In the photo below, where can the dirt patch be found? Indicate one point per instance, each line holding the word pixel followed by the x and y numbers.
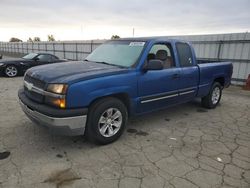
pixel 4 155
pixel 201 110
pixel 64 177
pixel 59 156
pixel 132 131
pixel 136 132
pixel 141 133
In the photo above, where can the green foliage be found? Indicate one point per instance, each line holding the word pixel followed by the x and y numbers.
pixel 37 39
pixel 14 39
pixel 115 37
pixel 51 38
pixel 30 40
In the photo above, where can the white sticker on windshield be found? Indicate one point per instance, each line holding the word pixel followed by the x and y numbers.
pixel 136 43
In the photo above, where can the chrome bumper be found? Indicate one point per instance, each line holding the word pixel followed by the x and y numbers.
pixel 62 126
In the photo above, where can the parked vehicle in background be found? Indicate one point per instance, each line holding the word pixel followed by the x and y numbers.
pixel 18 66
pixel 119 79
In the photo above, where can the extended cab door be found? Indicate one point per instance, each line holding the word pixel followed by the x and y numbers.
pixel 189 76
pixel 159 88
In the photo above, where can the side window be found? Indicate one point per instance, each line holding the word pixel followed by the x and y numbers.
pixel 54 58
pixel 44 58
pixel 162 52
pixel 184 54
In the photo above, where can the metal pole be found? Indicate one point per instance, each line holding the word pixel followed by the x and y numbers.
pixel 219 50
pixel 91 46
pixel 76 52
pixel 63 50
pixel 54 48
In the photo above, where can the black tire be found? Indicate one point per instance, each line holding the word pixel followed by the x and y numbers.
pixel 207 101
pixel 99 109
pixel 11 71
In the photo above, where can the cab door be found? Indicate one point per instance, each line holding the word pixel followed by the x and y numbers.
pixel 159 88
pixel 189 77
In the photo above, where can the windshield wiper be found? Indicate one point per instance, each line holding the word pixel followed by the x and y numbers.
pixel 103 62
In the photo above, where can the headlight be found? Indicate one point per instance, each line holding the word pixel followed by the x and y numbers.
pixel 57 100
pixel 1 64
pixel 57 88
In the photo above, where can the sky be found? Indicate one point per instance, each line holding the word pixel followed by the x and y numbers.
pixel 100 19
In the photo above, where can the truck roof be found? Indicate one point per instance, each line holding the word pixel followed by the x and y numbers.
pixel 158 38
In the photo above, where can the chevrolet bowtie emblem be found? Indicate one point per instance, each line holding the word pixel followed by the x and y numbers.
pixel 29 86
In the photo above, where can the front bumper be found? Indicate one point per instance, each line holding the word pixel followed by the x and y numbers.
pixel 58 121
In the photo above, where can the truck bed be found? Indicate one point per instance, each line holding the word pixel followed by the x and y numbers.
pixel 209 70
pixel 202 61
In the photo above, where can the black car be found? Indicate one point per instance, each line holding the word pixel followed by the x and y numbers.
pixel 18 66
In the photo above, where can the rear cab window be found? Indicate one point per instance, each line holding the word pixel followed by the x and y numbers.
pixel 185 55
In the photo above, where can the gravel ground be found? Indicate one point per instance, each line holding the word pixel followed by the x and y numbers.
pixel 183 146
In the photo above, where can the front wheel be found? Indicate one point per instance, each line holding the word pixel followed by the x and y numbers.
pixel 213 98
pixel 106 120
pixel 11 71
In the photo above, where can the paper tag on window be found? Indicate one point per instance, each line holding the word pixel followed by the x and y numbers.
pixel 136 43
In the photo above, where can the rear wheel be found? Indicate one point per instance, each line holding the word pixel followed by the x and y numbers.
pixel 106 120
pixel 213 98
pixel 11 71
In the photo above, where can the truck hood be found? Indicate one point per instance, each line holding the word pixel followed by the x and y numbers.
pixel 70 72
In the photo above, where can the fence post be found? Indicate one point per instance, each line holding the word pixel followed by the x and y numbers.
pixel 76 52
pixel 219 49
pixel 54 48
pixel 63 50
pixel 91 46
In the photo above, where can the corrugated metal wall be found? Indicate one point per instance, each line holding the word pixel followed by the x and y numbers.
pixel 233 47
pixel 73 50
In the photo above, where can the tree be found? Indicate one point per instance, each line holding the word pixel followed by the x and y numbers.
pixel 51 38
pixel 115 37
pixel 14 39
pixel 30 40
pixel 37 39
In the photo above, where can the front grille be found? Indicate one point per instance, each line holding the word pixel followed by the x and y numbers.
pixel 37 83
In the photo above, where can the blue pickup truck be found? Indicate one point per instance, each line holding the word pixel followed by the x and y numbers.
pixel 121 78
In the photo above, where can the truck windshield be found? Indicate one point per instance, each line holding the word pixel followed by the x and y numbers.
pixel 119 53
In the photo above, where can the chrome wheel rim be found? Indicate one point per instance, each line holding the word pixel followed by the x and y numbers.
pixel 11 71
pixel 215 95
pixel 110 122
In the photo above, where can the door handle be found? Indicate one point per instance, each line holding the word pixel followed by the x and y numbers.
pixel 175 76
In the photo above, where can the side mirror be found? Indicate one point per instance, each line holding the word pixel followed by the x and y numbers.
pixel 154 64
pixel 36 59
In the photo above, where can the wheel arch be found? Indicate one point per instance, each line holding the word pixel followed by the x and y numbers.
pixel 123 97
pixel 220 80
